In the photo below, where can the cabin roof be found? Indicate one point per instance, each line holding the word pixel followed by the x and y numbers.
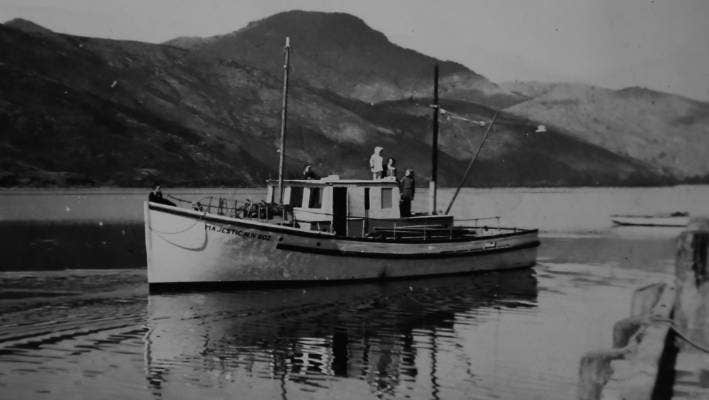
pixel 328 181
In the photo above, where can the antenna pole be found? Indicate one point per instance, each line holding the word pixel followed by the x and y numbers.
pixel 434 146
pixel 284 118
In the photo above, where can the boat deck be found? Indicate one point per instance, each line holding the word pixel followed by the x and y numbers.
pixel 421 228
pixel 429 234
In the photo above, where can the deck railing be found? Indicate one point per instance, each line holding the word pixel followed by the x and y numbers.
pixel 263 212
pixel 223 206
pixel 477 220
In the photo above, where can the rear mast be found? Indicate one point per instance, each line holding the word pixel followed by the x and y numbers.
pixel 284 118
pixel 434 146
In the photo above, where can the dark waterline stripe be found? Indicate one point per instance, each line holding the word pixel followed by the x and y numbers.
pixel 442 255
pixel 177 287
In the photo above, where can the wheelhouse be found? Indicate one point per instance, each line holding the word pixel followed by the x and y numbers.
pixel 349 207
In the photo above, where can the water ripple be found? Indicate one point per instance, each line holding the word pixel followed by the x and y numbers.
pixel 516 335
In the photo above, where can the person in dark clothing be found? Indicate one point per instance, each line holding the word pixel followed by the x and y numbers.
pixel 308 173
pixel 156 197
pixel 408 189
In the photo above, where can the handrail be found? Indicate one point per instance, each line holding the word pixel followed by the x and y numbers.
pixel 501 228
pixel 415 227
pixel 477 219
pixel 263 212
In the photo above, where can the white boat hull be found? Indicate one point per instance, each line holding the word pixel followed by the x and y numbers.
pixel 668 221
pixel 185 246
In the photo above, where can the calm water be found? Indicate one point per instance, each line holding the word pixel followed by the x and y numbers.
pixel 97 333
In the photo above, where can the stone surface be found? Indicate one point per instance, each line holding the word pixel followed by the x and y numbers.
pixel 630 372
pixel 691 314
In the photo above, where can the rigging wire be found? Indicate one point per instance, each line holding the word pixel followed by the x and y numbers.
pixel 681 334
pixel 472 161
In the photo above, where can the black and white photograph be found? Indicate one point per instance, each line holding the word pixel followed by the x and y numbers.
pixel 392 199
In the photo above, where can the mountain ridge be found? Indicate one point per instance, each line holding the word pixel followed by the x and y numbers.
pixel 127 113
pixel 27 26
pixel 669 132
pixel 341 53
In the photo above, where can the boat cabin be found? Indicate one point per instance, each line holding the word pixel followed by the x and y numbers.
pixel 348 207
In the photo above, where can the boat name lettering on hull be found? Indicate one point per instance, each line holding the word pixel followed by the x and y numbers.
pixel 237 232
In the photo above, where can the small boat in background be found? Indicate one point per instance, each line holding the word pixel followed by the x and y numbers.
pixel 675 219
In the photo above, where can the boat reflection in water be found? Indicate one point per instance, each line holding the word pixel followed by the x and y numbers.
pixel 315 339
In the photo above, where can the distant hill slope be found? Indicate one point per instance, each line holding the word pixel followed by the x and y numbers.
pixel 84 111
pixel 77 110
pixel 87 111
pixel 668 132
pixel 340 53
pixel 27 26
pixel 514 155
pixel 187 42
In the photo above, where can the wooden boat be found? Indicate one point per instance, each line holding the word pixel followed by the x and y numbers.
pixel 677 219
pixel 324 230
pixel 353 232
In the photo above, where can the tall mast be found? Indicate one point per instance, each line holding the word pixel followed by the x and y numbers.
pixel 284 118
pixel 434 146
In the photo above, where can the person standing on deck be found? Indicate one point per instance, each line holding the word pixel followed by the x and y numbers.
pixel 308 173
pixel 156 196
pixel 408 189
pixel 391 168
pixel 376 163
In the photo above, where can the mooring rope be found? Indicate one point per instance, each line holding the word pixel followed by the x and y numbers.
pixel 189 201
pixel 681 334
pixel 176 232
pixel 179 199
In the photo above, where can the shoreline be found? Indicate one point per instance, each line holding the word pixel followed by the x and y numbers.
pixel 221 189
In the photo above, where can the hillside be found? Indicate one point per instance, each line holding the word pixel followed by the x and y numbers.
pixel 85 111
pixel 514 153
pixel 668 132
pixel 27 26
pixel 81 110
pixel 340 53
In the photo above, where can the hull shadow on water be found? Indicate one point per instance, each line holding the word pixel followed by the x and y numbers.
pixel 381 333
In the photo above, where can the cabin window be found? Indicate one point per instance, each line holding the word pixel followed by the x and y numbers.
pixel 269 194
pixel 315 198
pixel 296 196
pixel 366 198
pixel 386 198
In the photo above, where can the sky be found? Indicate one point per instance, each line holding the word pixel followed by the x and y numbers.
pixel 659 44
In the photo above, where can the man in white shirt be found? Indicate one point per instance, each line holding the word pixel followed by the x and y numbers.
pixel 376 163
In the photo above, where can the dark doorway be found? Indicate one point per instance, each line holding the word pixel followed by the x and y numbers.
pixel 366 210
pixel 339 210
